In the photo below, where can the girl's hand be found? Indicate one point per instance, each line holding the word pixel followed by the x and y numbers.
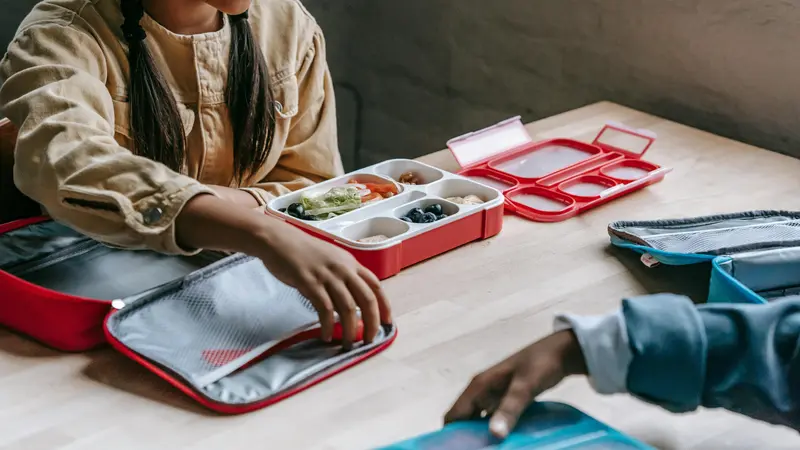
pixel 505 390
pixel 328 276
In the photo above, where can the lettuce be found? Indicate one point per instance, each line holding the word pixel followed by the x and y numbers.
pixel 335 201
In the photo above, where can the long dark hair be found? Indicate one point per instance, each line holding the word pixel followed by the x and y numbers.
pixel 156 125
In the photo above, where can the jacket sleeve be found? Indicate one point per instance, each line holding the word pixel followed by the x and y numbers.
pixel 665 350
pixel 66 156
pixel 311 153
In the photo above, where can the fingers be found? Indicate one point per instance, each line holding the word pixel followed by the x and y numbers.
pixel 346 307
pixel 384 308
pixel 325 310
pixel 519 395
pixel 365 299
pixel 481 392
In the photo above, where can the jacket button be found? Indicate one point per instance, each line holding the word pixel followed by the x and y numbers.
pixel 152 215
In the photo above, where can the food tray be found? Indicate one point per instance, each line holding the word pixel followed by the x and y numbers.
pixel 556 179
pixel 406 243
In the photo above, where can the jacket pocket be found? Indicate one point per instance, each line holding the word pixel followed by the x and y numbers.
pixel 285 97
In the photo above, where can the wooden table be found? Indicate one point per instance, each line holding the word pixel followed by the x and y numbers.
pixel 457 314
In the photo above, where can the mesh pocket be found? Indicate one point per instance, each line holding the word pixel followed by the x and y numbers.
pixel 223 313
pixel 725 240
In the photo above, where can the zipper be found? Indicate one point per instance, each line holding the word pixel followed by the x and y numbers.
pixel 54 258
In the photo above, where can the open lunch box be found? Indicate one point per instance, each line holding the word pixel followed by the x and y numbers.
pixel 219 328
pixel 754 255
pixel 395 214
pixel 556 179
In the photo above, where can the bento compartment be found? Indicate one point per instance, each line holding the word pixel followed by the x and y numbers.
pixel 714 235
pixel 499 181
pixel 587 186
pixel 427 211
pixel 464 192
pixel 56 257
pixel 375 231
pixel 545 159
pixel 541 200
pixel 628 170
pixel 339 223
pixel 231 331
pixel 409 172
pixel 336 198
pixel 772 274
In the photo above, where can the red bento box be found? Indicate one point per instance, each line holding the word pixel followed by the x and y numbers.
pixel 556 179
pixel 407 243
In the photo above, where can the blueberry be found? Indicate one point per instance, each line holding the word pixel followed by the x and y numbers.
pixel 415 214
pixel 283 210
pixel 441 217
pixel 406 219
pixel 296 210
pixel 428 218
pixel 435 209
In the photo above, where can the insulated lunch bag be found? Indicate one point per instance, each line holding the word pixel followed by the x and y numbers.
pixel 755 255
pixel 218 327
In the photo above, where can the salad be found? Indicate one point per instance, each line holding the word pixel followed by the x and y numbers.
pixel 339 200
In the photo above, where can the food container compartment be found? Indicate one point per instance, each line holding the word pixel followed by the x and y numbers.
pixel 387 227
pixel 345 220
pixel 460 187
pixel 536 162
pixel 587 187
pixel 628 170
pixel 491 178
pixel 397 168
pixel 541 201
pixel 283 202
pixel 448 208
pixel 578 169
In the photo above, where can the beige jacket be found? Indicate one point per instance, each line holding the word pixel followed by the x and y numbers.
pixel 65 87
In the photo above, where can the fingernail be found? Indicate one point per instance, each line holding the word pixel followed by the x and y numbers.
pixel 499 427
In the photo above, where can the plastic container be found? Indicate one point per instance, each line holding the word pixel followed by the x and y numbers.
pixel 556 179
pixel 407 243
pixel 550 426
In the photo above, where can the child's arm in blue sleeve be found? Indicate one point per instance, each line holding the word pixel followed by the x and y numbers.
pixel 665 350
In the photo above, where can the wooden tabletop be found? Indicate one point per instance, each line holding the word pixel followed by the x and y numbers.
pixel 457 314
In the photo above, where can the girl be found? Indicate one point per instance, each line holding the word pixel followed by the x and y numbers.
pixel 662 349
pixel 167 124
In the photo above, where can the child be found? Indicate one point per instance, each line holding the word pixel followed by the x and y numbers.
pixel 662 349
pixel 163 124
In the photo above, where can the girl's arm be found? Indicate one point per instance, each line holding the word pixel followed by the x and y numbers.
pixel 66 157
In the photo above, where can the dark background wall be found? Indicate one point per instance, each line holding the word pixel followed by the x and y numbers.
pixel 433 69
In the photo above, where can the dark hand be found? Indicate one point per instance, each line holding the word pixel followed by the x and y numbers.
pixel 505 390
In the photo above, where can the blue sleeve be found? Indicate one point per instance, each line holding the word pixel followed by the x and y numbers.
pixel 740 357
